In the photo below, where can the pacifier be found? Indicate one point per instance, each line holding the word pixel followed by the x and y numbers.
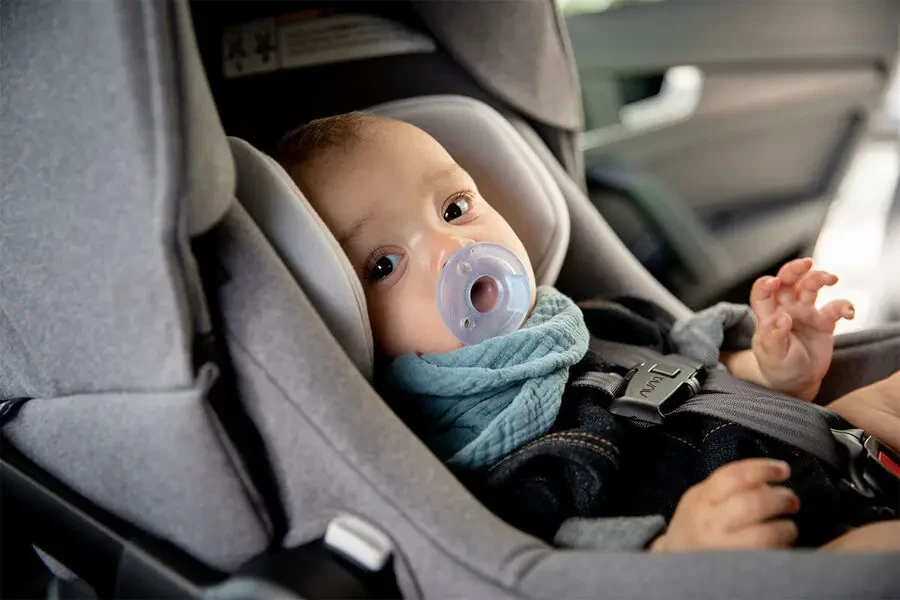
pixel 483 292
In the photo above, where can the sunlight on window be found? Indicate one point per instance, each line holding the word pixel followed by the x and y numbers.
pixel 851 243
pixel 580 7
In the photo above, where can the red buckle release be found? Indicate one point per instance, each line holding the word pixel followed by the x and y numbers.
pixel 888 463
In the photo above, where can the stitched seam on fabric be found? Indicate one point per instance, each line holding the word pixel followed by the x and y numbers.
pixel 591 436
pixel 717 428
pixel 583 444
pixel 549 439
pixel 683 441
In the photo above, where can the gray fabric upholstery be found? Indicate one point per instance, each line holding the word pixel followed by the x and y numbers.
pixel 90 285
pixel 109 138
pixel 153 458
pixel 597 261
pixel 518 50
pixel 860 358
pixel 311 253
pixel 714 576
pixel 508 174
pixel 613 534
pixel 209 172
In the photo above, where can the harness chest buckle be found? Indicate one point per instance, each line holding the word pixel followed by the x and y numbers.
pixel 655 388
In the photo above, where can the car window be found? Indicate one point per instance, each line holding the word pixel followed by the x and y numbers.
pixel 580 7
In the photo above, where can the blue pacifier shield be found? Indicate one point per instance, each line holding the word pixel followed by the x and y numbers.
pixel 483 292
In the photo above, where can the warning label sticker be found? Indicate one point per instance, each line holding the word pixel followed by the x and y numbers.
pixel 291 42
pixel 250 48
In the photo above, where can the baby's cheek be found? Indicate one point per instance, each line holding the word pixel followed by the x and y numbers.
pixel 411 326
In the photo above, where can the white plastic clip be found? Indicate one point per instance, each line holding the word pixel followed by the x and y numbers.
pixel 359 541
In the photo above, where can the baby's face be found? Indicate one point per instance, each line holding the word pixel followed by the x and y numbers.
pixel 400 207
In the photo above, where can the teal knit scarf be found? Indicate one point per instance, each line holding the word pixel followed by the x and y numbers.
pixel 474 405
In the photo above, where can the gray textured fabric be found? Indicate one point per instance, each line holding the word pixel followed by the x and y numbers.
pixel 610 535
pixel 307 248
pixel 861 358
pixel 724 326
pixel 109 137
pixel 508 173
pixel 597 262
pixel 209 171
pixel 793 575
pixel 152 458
pixel 90 292
pixel 518 50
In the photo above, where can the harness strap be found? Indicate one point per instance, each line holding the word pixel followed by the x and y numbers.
pixel 798 424
pixel 663 386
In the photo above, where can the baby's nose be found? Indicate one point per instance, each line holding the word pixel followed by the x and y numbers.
pixel 449 247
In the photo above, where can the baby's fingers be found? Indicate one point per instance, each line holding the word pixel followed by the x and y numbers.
pixel 793 271
pixel 833 312
pixel 757 505
pixel 774 534
pixel 742 475
pixel 808 287
pixel 762 297
pixel 773 336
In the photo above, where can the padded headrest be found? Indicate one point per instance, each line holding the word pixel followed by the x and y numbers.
pixel 308 249
pixel 507 171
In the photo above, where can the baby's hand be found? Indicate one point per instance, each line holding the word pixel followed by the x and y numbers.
pixel 732 508
pixel 794 340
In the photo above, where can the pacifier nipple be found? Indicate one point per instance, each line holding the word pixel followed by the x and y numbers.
pixel 483 292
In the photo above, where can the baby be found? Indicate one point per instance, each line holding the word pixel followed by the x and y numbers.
pixel 400 206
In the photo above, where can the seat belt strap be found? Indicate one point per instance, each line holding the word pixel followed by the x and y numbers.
pixel 657 389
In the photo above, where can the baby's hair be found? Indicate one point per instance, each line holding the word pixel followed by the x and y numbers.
pixel 314 139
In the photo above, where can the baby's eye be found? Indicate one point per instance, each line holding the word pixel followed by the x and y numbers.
pixel 457 208
pixel 383 267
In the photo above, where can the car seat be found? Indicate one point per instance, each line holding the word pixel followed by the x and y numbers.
pixel 153 461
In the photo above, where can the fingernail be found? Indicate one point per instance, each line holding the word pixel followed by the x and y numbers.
pixel 792 498
pixel 850 312
pixel 784 468
pixel 782 322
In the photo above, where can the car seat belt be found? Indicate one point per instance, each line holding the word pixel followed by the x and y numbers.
pixel 210 347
